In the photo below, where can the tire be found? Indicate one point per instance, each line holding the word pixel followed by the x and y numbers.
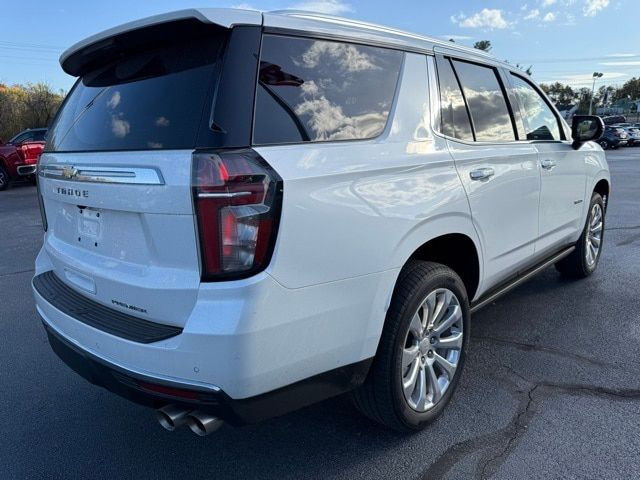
pixel 382 397
pixel 604 144
pixel 4 179
pixel 582 262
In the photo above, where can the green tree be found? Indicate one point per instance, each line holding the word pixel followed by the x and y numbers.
pixel 559 92
pixel 630 89
pixel 26 106
pixel 484 45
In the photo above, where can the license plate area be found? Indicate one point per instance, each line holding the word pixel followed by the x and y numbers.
pixel 90 225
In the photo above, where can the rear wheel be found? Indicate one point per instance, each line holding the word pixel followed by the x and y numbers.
pixel 421 351
pixel 4 179
pixel 583 261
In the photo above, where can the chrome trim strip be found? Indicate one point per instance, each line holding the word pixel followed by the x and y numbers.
pixel 151 378
pixel 223 195
pixel 99 174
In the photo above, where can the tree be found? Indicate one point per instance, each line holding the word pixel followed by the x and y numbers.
pixel 26 106
pixel 630 90
pixel 484 45
pixel 559 92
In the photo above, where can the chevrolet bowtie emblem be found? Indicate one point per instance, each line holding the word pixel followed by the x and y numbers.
pixel 69 172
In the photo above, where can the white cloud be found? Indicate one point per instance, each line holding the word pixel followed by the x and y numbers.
pixel 627 63
pixel 592 7
pixel 119 127
pixel 456 37
pixel 114 101
pixel 586 79
pixel 348 57
pixel 486 18
pixel 549 17
pixel 332 7
pixel 244 6
pixel 621 55
pixel 548 3
pixel 535 13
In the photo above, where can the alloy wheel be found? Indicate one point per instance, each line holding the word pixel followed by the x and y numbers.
pixel 594 235
pixel 3 178
pixel 432 349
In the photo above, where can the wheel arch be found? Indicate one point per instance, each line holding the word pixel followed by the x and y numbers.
pixel 457 251
pixel 603 187
pixel 450 239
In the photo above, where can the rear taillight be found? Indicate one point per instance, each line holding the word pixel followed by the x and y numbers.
pixel 43 212
pixel 237 197
pixel 31 152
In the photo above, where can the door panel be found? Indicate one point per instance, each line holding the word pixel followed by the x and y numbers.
pixel 562 195
pixel 504 205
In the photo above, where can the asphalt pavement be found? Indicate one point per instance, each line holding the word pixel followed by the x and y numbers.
pixel 551 388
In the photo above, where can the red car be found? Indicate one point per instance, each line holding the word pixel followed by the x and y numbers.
pixel 19 156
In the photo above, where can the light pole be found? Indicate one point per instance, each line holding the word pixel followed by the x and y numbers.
pixel 596 75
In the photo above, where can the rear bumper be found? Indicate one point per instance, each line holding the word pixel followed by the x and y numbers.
pixel 157 392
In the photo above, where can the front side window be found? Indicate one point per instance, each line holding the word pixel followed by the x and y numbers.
pixel 316 90
pixel 540 121
pixel 487 104
pixel 453 111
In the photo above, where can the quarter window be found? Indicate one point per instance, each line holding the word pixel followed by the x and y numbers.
pixel 316 90
pixel 453 111
pixel 487 104
pixel 540 121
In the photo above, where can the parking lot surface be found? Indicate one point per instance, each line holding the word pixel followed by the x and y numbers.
pixel 551 388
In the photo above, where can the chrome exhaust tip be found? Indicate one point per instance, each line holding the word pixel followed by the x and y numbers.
pixel 172 417
pixel 202 423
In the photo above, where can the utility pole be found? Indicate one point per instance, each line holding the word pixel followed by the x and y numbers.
pixel 596 75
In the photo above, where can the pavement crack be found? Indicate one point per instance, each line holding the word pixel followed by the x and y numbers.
pixel 635 227
pixel 502 442
pixel 517 426
pixel 16 273
pixel 531 347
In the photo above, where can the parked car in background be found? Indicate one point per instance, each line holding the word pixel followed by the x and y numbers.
pixel 614 119
pixel 633 134
pixel 613 137
pixel 19 156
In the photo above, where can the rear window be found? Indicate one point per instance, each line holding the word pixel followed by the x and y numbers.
pixel 317 90
pixel 152 99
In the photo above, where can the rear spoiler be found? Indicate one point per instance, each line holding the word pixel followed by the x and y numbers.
pixel 79 58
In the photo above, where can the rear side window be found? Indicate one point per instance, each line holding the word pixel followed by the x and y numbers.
pixel 150 99
pixel 316 90
pixel 540 121
pixel 487 104
pixel 453 111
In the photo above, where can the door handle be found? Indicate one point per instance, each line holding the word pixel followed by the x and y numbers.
pixel 482 173
pixel 547 164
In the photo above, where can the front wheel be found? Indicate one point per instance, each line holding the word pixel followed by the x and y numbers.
pixel 4 179
pixel 583 261
pixel 421 351
pixel 604 144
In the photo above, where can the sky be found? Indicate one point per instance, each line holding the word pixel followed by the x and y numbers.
pixel 563 40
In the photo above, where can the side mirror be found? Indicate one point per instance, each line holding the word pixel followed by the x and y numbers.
pixel 586 128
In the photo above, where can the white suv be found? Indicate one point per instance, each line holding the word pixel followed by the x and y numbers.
pixel 249 212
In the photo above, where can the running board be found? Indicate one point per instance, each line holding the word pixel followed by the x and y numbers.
pixel 519 279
